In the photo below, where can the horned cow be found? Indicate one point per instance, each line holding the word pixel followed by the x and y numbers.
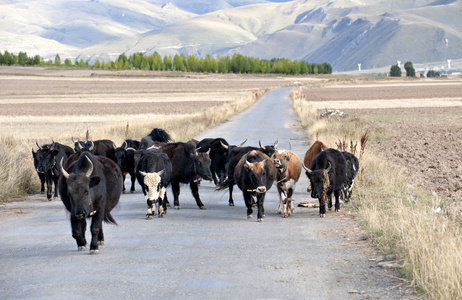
pixel 289 167
pixel 154 171
pixel 254 175
pixel 90 186
pixel 327 175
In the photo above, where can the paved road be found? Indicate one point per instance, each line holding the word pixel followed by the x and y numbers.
pixel 190 253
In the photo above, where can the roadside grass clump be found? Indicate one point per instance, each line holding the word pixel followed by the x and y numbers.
pixel 400 219
pixel 17 174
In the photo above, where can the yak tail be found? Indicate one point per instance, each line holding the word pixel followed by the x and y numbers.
pixel 225 185
pixel 160 135
pixel 109 219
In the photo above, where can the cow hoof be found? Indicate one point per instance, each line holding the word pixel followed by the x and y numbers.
pixel 132 192
pixel 167 205
pixel 123 192
pixel 49 199
pixel 95 251
pixel 81 248
pixel 176 207
pixel 249 216
pixel 231 203
pixel 259 219
pixel 337 210
pixel 202 207
pixel 148 217
pixel 322 215
pixel 285 216
pixel 101 243
pixel 161 215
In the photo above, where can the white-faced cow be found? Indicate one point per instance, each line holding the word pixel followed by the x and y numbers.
pixel 327 175
pixel 352 168
pixel 48 165
pixel 219 155
pixel 125 159
pixel 289 168
pixel 154 172
pixel 90 187
pixel 254 175
pixel 235 156
pixel 188 166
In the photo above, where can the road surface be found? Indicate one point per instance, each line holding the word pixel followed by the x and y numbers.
pixel 215 253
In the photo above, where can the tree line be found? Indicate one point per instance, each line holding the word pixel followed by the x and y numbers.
pixel 238 63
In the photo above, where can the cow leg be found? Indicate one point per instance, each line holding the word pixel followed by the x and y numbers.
pixel 214 174
pixel 55 181
pixel 95 228
pixel 195 190
pixel 78 232
pixel 101 236
pixel 123 185
pixel 290 192
pixel 329 202
pixel 176 194
pixel 261 210
pixel 231 201
pixel 42 182
pixel 322 209
pixel 133 179
pixel 337 200
pixel 165 202
pixel 49 188
pixel 248 202
pixel 149 213
pixel 162 206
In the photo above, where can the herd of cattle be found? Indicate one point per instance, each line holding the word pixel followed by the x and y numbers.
pixel 90 178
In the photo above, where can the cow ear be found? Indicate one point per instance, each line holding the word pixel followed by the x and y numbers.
pixel 94 181
pixel 54 152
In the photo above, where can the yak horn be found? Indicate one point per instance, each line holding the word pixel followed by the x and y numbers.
pixel 224 146
pixel 306 169
pixel 241 144
pixel 65 174
pixel 329 167
pixel 92 146
pixel 40 148
pixel 90 170
pixel 208 152
pixel 276 145
pixel 261 146
pixel 125 143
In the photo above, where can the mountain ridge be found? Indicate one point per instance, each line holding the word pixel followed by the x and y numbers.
pixel 343 33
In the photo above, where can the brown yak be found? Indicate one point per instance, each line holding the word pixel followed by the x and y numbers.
pixel 289 168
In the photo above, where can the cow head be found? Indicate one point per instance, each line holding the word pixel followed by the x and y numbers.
pixel 152 184
pixel 202 164
pixel 122 156
pixel 280 159
pixel 79 186
pixel 256 176
pixel 319 180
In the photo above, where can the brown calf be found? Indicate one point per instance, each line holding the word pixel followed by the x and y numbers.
pixel 289 168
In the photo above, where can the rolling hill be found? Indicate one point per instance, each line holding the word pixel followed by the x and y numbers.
pixel 342 33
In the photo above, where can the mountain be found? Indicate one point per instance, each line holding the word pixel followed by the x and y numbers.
pixel 344 33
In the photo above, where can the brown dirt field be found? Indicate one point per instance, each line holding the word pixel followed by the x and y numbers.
pixel 428 139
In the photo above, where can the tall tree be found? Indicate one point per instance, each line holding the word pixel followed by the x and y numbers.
pixel 410 71
pixel 57 60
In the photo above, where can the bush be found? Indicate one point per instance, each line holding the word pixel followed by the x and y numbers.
pixel 432 73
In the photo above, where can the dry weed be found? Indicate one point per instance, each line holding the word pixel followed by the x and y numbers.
pixel 400 219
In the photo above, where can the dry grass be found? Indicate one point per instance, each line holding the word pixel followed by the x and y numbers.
pixel 400 219
pixel 17 174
